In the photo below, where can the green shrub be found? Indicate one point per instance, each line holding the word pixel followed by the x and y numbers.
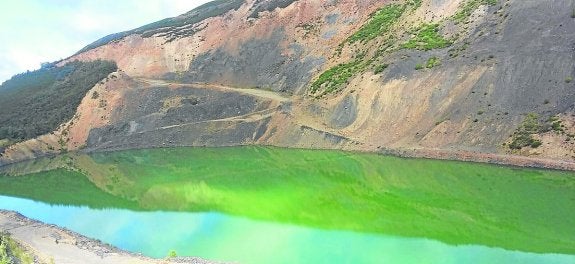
pixel 432 62
pixel 419 66
pixel 427 37
pixel 556 126
pixel 569 79
pixel 380 68
pixel 536 143
pixel 531 123
pixel 523 136
pixel 172 254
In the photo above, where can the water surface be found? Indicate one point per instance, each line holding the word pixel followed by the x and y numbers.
pixel 262 205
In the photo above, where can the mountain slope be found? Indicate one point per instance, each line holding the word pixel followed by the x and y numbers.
pixel 475 77
pixel 36 103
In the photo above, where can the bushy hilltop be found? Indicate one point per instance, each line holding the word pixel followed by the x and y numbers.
pixel 37 102
pixel 477 77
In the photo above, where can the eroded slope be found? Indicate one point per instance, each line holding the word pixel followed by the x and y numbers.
pixel 430 76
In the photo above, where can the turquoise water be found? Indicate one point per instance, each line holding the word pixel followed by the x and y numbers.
pixel 230 238
pixel 273 205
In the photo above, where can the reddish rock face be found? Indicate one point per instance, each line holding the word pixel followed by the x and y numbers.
pixel 249 72
pixel 301 24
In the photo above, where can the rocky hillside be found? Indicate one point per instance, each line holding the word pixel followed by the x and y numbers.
pixel 442 78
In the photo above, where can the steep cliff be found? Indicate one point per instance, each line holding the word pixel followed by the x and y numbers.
pixel 470 77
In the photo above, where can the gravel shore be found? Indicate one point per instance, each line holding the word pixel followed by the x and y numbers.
pixel 52 244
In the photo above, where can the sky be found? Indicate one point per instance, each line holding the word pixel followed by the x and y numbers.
pixel 36 31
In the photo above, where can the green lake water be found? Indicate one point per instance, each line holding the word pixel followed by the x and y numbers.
pixel 272 205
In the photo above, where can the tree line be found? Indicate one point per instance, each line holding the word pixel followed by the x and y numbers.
pixel 37 102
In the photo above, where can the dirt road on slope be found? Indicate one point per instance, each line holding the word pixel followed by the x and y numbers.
pixel 255 92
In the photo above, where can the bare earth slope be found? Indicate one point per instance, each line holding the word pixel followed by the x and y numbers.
pixel 316 74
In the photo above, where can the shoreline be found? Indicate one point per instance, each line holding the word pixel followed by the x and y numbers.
pixel 52 244
pixel 417 153
pixel 422 153
pixel 482 158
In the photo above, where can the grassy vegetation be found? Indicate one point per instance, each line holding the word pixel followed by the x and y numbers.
pixel 468 7
pixel 35 103
pixel 4 257
pixel 419 66
pixel 332 79
pixel 12 252
pixel 454 202
pixel 427 37
pixel 379 23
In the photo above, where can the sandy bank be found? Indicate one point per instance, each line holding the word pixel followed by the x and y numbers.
pixel 52 244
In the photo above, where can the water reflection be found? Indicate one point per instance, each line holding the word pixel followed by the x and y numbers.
pixel 453 202
pixel 229 238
